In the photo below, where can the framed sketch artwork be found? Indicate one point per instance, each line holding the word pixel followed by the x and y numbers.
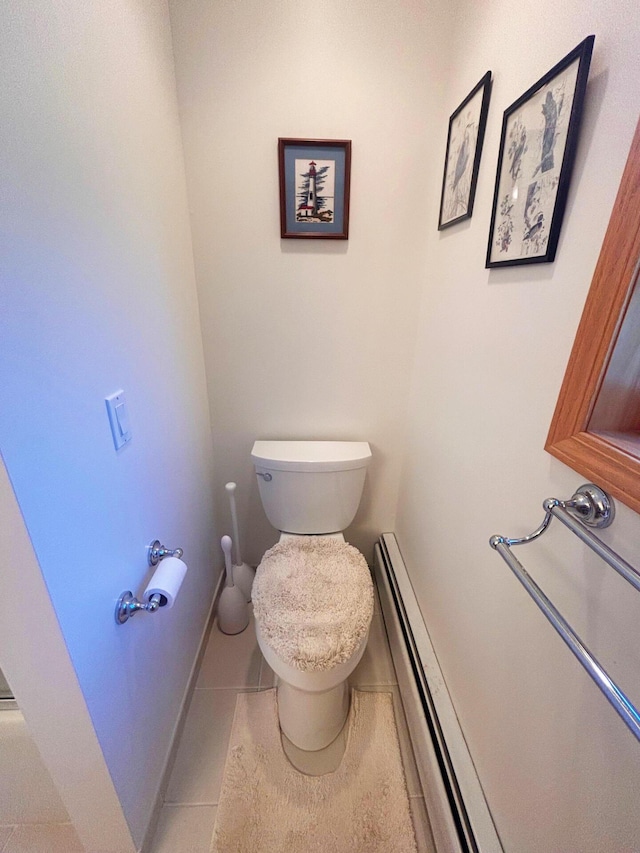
pixel 462 160
pixel 314 187
pixel 537 150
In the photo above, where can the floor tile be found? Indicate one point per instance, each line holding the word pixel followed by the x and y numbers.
pixel 233 664
pixel 44 838
pixel 5 834
pixel 27 792
pixel 197 772
pixel 406 750
pixel 421 826
pixel 376 666
pixel 268 678
pixel 184 829
pixel 231 660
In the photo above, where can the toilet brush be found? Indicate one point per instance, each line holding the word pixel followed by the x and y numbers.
pixel 243 574
pixel 233 611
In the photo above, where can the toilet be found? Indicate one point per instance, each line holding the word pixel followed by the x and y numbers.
pixel 313 593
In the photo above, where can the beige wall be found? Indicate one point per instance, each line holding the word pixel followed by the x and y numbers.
pixel 317 340
pixel 308 339
pixel 559 768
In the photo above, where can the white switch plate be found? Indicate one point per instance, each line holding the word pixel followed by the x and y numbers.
pixel 118 418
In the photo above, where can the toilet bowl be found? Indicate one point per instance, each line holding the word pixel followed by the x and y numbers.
pixel 313 593
pixel 312 706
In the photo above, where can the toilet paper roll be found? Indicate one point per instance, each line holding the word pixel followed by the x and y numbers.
pixel 166 581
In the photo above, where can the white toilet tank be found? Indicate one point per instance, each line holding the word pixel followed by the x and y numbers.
pixel 310 486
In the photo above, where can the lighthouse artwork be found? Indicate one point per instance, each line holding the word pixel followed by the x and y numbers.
pixel 315 190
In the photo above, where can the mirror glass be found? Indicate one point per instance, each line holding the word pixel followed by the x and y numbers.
pixel 616 412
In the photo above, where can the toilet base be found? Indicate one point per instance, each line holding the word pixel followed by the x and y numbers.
pixel 312 721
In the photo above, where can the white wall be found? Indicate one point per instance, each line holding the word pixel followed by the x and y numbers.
pixel 97 290
pixel 308 339
pixel 57 761
pixel 559 768
pixel 305 339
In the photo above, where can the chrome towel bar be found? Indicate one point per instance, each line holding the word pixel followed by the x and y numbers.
pixel 596 509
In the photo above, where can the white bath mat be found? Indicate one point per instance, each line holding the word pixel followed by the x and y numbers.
pixel 267 806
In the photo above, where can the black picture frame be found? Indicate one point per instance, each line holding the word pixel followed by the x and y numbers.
pixel 315 183
pixel 537 150
pixel 462 158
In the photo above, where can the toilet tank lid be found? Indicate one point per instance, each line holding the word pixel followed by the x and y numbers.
pixel 311 455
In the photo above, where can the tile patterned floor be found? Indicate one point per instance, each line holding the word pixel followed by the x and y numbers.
pixel 231 665
pixel 40 838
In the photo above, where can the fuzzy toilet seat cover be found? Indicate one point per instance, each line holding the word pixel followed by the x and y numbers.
pixel 313 600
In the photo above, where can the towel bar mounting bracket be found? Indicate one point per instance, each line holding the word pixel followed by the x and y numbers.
pixel 590 504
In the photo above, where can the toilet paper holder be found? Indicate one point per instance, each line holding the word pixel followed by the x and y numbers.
pixel 158 552
pixel 128 605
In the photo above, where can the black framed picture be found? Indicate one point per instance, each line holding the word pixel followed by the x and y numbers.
pixel 537 149
pixel 315 177
pixel 462 159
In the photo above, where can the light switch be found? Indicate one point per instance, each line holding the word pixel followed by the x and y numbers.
pixel 123 419
pixel 118 418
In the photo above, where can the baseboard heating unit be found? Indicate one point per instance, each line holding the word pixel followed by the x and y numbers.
pixel 460 818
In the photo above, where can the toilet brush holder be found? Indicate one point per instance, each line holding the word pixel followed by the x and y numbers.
pixel 243 578
pixel 243 574
pixel 233 611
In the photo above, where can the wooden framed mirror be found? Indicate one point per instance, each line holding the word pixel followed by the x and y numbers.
pixel 596 424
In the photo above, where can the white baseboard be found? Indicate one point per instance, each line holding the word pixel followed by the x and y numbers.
pixel 458 811
pixel 180 720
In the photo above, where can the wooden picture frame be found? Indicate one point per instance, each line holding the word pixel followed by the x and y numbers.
pixel 315 178
pixel 610 459
pixel 537 149
pixel 462 158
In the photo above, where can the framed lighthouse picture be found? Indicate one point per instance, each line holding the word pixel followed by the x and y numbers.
pixel 315 176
